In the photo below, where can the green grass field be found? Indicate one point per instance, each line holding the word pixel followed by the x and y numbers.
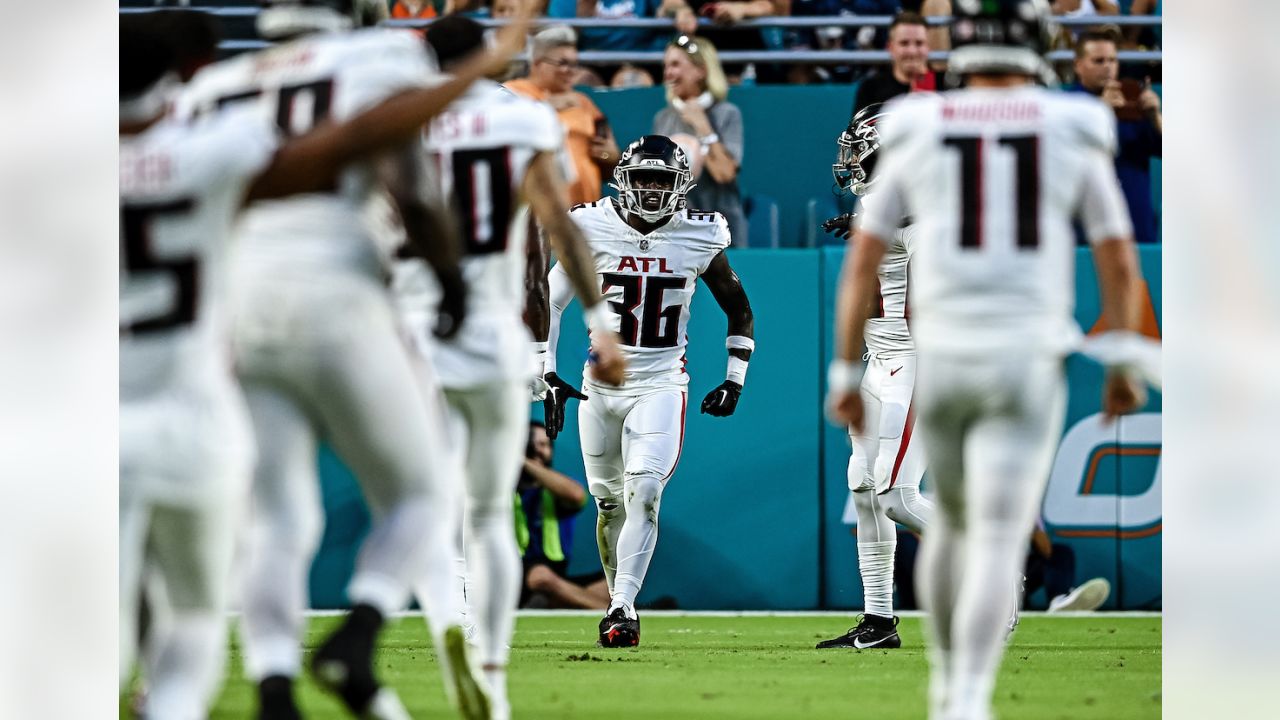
pixel 764 667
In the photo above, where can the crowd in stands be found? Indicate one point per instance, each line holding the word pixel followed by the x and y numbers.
pixel 700 117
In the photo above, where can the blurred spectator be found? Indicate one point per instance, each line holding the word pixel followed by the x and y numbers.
pixel 611 38
pixel 588 137
pixel 1068 36
pixel 706 125
pixel 630 76
pixel 833 37
pixel 725 14
pixel 192 36
pixel 1138 122
pixel 1053 567
pixel 1136 37
pixel 939 35
pixel 909 71
pixel 413 9
pixel 546 504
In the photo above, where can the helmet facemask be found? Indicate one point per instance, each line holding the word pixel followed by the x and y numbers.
pixel 856 153
pixel 652 189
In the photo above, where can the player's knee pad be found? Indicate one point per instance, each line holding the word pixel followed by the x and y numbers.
pixel 609 506
pixel 644 494
pixel 859 473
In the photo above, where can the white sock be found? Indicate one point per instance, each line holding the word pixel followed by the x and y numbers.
pixel 494 561
pixel 993 559
pixel 609 521
pixel 637 540
pixel 189 666
pixel 275 600
pixel 937 582
pixel 875 563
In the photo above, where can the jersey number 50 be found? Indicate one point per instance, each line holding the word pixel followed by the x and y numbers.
pixel 660 326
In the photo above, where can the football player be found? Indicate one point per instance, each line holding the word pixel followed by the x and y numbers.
pixel 993 174
pixel 885 467
pixel 184 441
pixel 497 156
pixel 321 355
pixel 649 251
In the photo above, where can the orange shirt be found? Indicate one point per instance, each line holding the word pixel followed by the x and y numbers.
pixel 579 122
pixel 400 12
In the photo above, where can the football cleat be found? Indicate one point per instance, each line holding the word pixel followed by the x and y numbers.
pixel 618 631
pixel 1087 597
pixel 872 631
pixel 343 665
pixel 275 699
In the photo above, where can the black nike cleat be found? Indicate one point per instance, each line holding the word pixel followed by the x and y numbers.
pixel 872 631
pixel 619 631
pixel 343 665
pixel 275 699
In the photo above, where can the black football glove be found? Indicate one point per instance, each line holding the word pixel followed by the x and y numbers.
pixel 453 304
pixel 722 401
pixel 839 225
pixel 558 394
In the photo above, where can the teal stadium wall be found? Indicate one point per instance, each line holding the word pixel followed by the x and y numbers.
pixel 752 517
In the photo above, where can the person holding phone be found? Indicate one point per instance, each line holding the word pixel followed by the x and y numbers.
pixel 1139 123
pixel 588 137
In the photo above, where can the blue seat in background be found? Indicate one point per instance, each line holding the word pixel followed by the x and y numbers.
pixel 762 221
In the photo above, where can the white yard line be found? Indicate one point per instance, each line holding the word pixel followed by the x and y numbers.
pixel 770 613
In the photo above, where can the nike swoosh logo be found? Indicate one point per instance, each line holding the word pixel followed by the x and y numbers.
pixel 895 372
pixel 861 645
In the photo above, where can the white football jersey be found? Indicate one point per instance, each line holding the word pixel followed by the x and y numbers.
pixel 330 76
pixel 648 282
pixel 181 188
pixel 482 147
pixel 887 333
pixel 993 179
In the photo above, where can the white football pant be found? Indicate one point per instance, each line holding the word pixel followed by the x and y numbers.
pixel 329 362
pixel 630 447
pixel 184 472
pixel 990 427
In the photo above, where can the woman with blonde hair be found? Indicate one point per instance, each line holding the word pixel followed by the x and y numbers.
pixel 709 127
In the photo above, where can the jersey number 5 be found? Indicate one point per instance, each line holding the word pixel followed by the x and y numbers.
pixel 654 315
pixel 1026 152
pixel 139 257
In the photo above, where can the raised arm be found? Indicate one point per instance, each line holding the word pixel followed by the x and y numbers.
pixel 311 162
pixel 542 185
pixel 432 234
pixel 726 288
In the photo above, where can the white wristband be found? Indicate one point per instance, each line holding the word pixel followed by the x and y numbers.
pixel 711 139
pixel 739 342
pixel 540 353
pixel 597 316
pixel 737 371
pixel 843 376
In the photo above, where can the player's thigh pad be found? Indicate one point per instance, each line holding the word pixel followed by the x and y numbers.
pixel 653 434
pixel 496 415
pixel 367 394
pixel 192 548
pixel 1009 449
pixel 865 445
pixel 600 433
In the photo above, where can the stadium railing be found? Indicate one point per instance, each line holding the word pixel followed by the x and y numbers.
pixel 786 57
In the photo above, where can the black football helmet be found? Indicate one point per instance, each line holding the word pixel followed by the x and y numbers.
pixel 1000 36
pixel 856 151
pixel 284 18
pixel 649 159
